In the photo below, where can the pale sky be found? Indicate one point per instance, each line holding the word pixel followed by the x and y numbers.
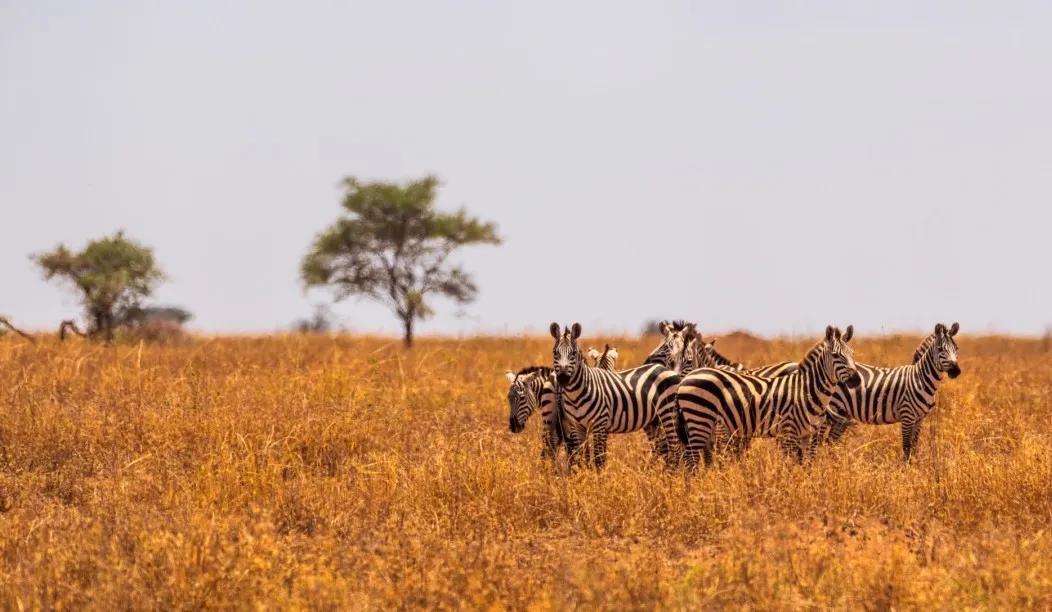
pixel 773 166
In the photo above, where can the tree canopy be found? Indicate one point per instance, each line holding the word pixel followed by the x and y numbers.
pixel 393 247
pixel 112 275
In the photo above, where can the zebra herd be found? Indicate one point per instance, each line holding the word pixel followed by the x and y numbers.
pixel 686 395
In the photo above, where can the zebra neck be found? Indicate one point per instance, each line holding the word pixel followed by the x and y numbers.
pixel 926 373
pixel 536 387
pixel 658 355
pixel 579 382
pixel 721 360
pixel 817 389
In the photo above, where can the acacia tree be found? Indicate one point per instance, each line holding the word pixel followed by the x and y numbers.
pixel 393 247
pixel 112 275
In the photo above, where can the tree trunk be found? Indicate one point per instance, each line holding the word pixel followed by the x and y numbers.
pixel 109 327
pixel 408 337
pixel 103 326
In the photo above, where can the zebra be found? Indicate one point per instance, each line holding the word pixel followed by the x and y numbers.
pixel 905 394
pixel 702 354
pixel 533 387
pixel 677 336
pixel 600 402
pixel 607 360
pixel 788 407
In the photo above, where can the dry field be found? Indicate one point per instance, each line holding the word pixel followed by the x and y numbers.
pixel 344 473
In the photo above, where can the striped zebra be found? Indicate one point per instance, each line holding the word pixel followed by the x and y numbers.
pixel 676 337
pixel 607 360
pixel 600 402
pixel 788 408
pixel 905 394
pixel 533 387
pixel 702 354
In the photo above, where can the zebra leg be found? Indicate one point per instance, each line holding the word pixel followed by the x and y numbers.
pixel 790 442
pixel 551 441
pixel 699 443
pixel 665 437
pixel 572 438
pixel 658 440
pixel 599 448
pixel 813 440
pixel 910 432
pixel 552 437
pixel 737 443
pixel 835 428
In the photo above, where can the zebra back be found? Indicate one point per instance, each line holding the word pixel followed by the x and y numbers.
pixel 607 360
pixel 748 405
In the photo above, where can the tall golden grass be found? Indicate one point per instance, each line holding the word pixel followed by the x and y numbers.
pixel 345 473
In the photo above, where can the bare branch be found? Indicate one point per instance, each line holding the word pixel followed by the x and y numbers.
pixel 4 322
pixel 69 326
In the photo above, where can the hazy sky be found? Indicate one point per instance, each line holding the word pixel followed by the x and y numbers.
pixel 765 165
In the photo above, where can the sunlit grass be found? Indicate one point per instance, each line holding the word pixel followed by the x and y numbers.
pixel 346 473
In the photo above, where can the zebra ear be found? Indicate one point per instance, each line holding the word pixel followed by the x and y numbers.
pixel 956 327
pixel 554 330
pixel 830 331
pixel 940 329
pixel 576 331
pixel 611 352
pixel 690 330
pixel 510 376
pixel 664 328
pixel 849 334
pixel 593 354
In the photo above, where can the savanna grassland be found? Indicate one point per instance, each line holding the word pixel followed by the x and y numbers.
pixel 346 473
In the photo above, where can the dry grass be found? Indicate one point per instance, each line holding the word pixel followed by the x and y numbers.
pixel 344 473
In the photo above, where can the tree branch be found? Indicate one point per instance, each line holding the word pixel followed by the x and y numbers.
pixel 4 322
pixel 69 326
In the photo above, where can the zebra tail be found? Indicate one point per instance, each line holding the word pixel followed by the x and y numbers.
pixel 681 427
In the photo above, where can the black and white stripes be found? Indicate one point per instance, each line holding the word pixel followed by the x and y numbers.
pixel 789 407
pixel 599 402
pixel 905 394
pixel 687 392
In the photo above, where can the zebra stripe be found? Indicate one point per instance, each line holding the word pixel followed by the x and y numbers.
pixel 788 407
pixel 607 360
pixel 671 352
pixel 600 402
pixel 530 388
pixel 533 387
pixel 774 370
pixel 701 354
pixel 905 394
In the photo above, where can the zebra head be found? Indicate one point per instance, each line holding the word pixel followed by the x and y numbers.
pixel 674 351
pixel 566 354
pixel 522 395
pixel 944 349
pixel 839 361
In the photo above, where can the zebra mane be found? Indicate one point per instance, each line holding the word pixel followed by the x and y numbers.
pixel 544 371
pixel 721 359
pixel 923 348
pixel 812 354
pixel 677 325
pixel 656 357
